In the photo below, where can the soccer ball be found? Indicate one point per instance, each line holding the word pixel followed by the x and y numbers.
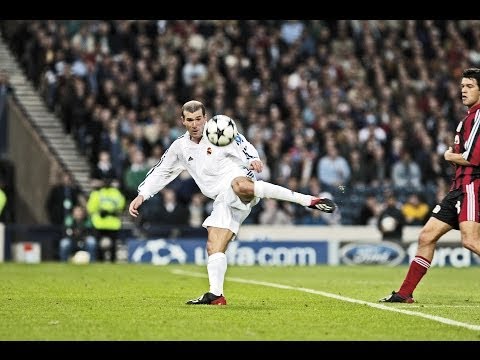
pixel 221 130
pixel 81 257
pixel 389 223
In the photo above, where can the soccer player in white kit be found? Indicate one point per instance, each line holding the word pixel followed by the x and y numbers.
pixel 224 174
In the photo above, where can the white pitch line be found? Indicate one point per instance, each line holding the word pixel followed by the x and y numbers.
pixel 342 298
pixel 443 306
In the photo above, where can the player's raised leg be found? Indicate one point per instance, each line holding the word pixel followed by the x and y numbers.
pixel 246 189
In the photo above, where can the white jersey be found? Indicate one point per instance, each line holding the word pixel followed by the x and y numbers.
pixel 212 167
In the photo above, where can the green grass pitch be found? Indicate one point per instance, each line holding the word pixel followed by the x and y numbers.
pixel 53 301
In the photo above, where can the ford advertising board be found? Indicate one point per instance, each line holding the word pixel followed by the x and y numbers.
pixel 384 253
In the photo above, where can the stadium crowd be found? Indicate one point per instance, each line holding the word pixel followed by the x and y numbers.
pixel 358 109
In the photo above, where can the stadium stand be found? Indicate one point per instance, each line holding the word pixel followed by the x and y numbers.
pixel 380 88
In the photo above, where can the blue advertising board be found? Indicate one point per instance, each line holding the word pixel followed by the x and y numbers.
pixel 392 254
pixel 294 253
pixel 384 253
pixel 192 251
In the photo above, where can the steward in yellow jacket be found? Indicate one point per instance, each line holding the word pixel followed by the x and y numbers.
pixel 105 206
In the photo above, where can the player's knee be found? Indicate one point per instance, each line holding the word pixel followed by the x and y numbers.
pixel 243 187
pixel 426 237
pixel 470 243
pixel 210 248
pixel 213 248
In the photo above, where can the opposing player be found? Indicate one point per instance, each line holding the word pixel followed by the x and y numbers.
pixel 459 209
pixel 224 174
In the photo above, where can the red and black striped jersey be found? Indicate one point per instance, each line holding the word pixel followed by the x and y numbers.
pixel 467 143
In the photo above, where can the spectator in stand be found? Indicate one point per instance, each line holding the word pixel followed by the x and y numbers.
pixel 197 210
pixel 369 212
pixel 295 211
pixel 272 214
pixel 193 70
pixel 372 130
pixel 406 173
pixel 78 235
pixel 415 210
pixel 391 220
pixel 377 164
pixel 184 186
pixel 167 212
pixel 111 141
pixel 103 169
pixel 135 174
pixel 155 156
pixel 359 169
pixel 333 169
pixel 62 198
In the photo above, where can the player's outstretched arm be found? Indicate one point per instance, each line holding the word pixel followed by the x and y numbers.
pixel 134 205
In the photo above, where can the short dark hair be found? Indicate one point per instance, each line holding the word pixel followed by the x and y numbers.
pixel 472 73
pixel 192 106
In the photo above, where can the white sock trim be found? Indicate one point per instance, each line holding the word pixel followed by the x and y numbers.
pixel 216 256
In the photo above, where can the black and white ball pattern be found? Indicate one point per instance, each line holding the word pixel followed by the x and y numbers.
pixel 221 130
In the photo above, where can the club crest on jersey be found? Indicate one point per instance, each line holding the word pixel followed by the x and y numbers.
pixel 209 151
pixel 456 141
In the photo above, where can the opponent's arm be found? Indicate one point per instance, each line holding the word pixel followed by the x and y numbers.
pixel 455 158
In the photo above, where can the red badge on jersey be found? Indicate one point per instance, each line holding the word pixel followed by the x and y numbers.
pixel 209 151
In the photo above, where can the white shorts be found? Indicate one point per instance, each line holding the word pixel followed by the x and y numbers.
pixel 229 212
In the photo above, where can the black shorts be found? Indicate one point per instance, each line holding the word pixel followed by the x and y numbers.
pixel 449 208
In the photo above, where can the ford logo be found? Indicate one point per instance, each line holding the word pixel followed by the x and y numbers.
pixel 384 253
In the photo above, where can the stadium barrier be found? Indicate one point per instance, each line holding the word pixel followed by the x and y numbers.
pixel 334 232
pixel 160 251
pixel 254 245
pixel 301 246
